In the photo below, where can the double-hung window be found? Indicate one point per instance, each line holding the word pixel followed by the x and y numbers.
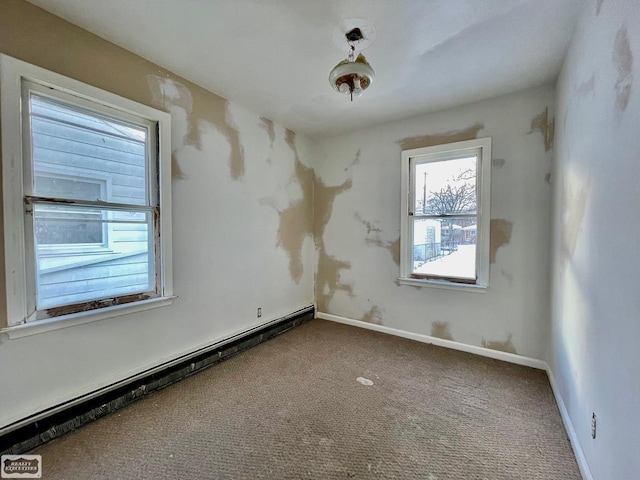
pixel 86 192
pixel 445 215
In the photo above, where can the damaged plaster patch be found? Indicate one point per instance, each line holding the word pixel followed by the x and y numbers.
pixel 199 105
pixel 547 178
pixel 296 220
pixel 622 58
pixel 328 279
pixel 441 330
pixel 500 235
pixel 374 315
pixel 498 162
pixel 329 267
pixel 506 346
pixel 599 6
pixel 269 127
pixel 371 227
pixel 392 247
pixel 441 138
pixel 546 126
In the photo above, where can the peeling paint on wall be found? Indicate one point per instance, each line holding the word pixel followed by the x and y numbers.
pixel 546 126
pixel 500 233
pixel 441 138
pixel 269 127
pixel 374 315
pixel 506 346
pixel 622 58
pixel 498 162
pixel 441 330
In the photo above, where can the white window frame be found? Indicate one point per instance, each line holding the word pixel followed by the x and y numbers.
pixel 483 192
pixel 20 287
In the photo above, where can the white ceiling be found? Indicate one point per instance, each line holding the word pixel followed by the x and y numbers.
pixel 274 56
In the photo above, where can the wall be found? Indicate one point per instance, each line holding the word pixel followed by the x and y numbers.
pixel 242 210
pixel 357 226
pixel 595 301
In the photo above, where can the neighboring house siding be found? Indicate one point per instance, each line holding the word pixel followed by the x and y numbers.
pixel 122 275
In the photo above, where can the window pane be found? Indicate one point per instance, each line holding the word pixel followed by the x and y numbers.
pixel 63 225
pixel 445 247
pixel 446 187
pixel 59 187
pixel 81 145
pixel 70 273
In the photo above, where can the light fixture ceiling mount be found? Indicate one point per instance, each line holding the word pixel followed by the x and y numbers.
pixel 354 74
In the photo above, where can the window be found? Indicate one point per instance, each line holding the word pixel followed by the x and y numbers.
pixel 445 215
pixel 86 199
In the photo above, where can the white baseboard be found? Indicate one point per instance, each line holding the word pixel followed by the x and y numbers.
pixel 485 352
pixel 568 426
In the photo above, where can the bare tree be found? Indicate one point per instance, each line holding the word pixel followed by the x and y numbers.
pixel 459 196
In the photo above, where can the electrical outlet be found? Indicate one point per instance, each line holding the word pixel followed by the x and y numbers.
pixel 593 425
pixel 259 312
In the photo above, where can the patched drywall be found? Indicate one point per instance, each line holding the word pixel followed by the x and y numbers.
pixel 393 247
pixel 501 346
pixel 296 219
pixel 441 330
pixel 242 227
pixel 269 127
pixel 546 126
pixel 357 218
pixel 594 313
pixel 498 162
pixel 374 315
pixel 329 267
pixel 500 232
pixel 430 140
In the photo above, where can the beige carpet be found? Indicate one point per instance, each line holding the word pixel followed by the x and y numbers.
pixel 292 408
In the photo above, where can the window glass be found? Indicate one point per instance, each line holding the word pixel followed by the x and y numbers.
pixel 85 252
pixel 87 145
pixel 444 222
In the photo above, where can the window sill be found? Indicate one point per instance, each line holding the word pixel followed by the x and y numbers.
pixel 46 325
pixel 461 287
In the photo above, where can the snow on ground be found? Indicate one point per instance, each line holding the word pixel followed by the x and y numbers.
pixel 461 263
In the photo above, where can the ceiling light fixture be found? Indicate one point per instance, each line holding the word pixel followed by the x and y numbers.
pixel 354 74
